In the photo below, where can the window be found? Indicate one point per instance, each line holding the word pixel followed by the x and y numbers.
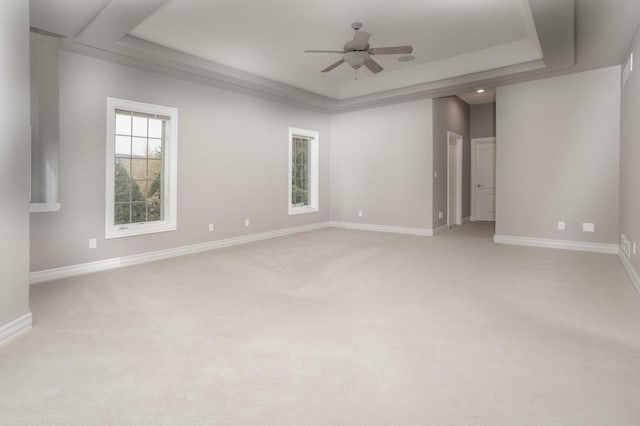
pixel 141 168
pixel 303 171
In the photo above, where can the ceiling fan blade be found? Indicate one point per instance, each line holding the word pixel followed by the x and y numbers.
pixel 361 40
pixel 390 50
pixel 324 51
pixel 373 66
pixel 330 67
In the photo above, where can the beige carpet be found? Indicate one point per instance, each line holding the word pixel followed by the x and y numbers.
pixel 335 327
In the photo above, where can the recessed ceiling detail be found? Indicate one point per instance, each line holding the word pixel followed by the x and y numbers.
pixel 477 97
pixel 450 38
pixel 257 48
pixel 54 16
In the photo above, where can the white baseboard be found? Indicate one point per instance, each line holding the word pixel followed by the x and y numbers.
pixel 631 271
pixel 118 262
pixel 15 328
pixel 136 259
pixel 466 219
pixel 425 232
pixel 440 229
pixel 556 244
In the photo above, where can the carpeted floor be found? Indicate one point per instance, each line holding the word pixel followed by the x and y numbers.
pixel 335 327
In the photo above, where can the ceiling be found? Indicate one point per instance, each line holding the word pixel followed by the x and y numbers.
pixel 475 98
pixel 450 38
pixel 257 47
pixel 54 17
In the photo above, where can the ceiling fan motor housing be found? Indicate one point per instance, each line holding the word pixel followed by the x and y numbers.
pixel 355 45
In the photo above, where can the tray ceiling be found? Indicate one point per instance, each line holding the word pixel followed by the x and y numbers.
pixel 257 47
pixel 268 39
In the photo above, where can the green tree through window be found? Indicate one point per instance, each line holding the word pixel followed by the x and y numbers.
pixel 300 171
pixel 138 168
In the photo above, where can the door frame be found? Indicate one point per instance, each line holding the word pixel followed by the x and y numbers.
pixel 474 144
pixel 458 179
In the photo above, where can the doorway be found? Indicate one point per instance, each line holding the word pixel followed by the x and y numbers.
pixel 454 179
pixel 483 179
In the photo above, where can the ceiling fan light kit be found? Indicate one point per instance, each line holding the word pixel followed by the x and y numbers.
pixel 357 52
pixel 356 58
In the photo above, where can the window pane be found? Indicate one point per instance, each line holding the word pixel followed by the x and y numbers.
pixel 139 147
pixel 138 190
pixel 155 169
pixel 155 148
pixel 123 146
pixel 140 126
pixel 299 173
pixel 155 128
pixel 123 169
pixel 144 188
pixel 139 151
pixel 138 212
pixel 122 213
pixel 122 191
pixel 154 212
pixel 139 169
pixel 123 124
pixel 155 188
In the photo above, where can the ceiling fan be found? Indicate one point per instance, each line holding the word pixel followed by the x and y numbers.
pixel 357 52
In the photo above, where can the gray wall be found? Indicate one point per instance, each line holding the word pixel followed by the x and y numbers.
pixel 450 113
pixel 630 155
pixel 557 156
pixel 483 120
pixel 44 118
pixel 232 163
pixel 381 163
pixel 14 159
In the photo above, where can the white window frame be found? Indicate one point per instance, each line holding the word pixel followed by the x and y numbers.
pixel 170 182
pixel 314 175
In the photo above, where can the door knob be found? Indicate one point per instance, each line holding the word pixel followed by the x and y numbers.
pixel 479 186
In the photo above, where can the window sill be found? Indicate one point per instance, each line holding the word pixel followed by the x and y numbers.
pixel 44 207
pixel 139 229
pixel 302 210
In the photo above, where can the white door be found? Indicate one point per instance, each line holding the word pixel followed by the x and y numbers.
pixel 452 197
pixel 454 179
pixel 484 179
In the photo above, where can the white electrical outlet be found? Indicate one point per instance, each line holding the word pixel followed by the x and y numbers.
pixel 440 215
pixel 561 225
pixel 92 243
pixel 211 227
pixel 588 227
pixel 435 174
pixel 246 222
pixel 359 213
